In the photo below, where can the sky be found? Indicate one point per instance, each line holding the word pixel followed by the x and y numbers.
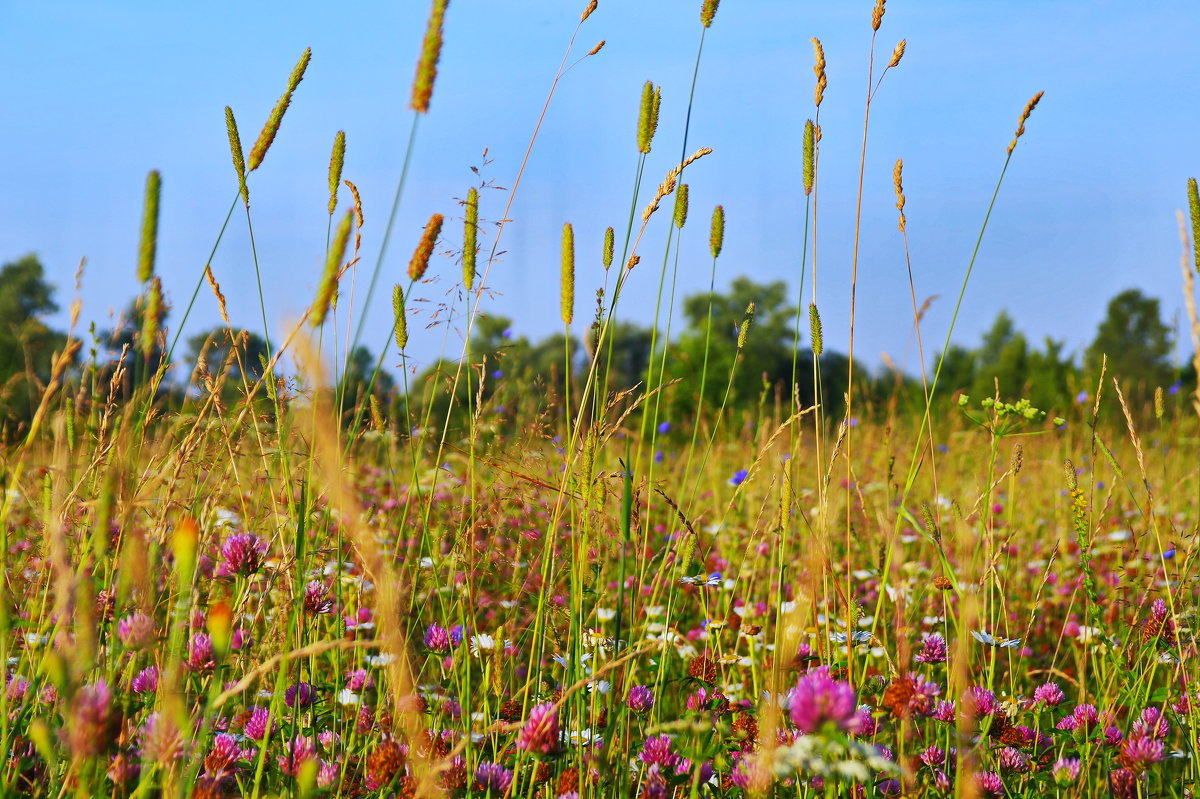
pixel 97 94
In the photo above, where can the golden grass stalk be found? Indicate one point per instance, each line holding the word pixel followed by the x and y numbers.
pixel 267 135
pixel 235 149
pixel 819 71
pixel 152 316
pixel 431 51
pixel 814 327
pixel 648 116
pixel 669 182
pixel 634 260
pixel 216 290
pixel 681 206
pixel 744 330
pixel 148 248
pixel 587 12
pixel 470 232
pixel 337 160
pixel 567 281
pixel 358 214
pixel 599 46
pixel 716 231
pixel 877 15
pixel 898 182
pixel 609 241
pixel 1194 212
pixel 1032 104
pixel 707 11
pixel 898 53
pixel 333 264
pixel 420 259
pixel 401 316
pixel 810 155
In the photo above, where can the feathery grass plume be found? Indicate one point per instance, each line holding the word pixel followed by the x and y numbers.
pixel 898 53
pixel 599 46
pixel 814 329
pixel 897 181
pixel 336 160
pixel 587 12
pixel 420 259
pixel 810 155
pixel 470 229
pixel 259 150
pixel 681 206
pixel 648 116
pixel 1032 104
pixel 707 11
pixel 152 316
pixel 819 71
pixel 1194 212
pixel 401 316
pixel 716 231
pixel 216 290
pixel 609 241
pixel 877 15
pixel 149 244
pixel 431 51
pixel 235 149
pixel 567 287
pixel 744 330
pixel 333 264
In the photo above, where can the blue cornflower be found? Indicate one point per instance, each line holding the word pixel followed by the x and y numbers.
pixel 739 477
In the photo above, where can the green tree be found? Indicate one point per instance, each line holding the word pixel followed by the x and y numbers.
pixel 1002 359
pixel 1137 343
pixel 1050 376
pixel 27 345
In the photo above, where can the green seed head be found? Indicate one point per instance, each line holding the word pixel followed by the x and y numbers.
pixel 681 205
pixel 235 148
pixel 810 154
pixel 609 240
pixel 333 264
pixel 336 160
pixel 567 287
pixel 814 328
pixel 400 316
pixel 1194 211
pixel 716 233
pixel 708 11
pixel 744 330
pixel 149 244
pixel 470 233
pixel 648 116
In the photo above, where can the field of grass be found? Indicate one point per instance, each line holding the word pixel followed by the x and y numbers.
pixel 276 587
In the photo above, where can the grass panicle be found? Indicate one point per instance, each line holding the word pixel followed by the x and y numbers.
pixel 877 14
pixel 819 71
pixel 587 12
pixel 333 266
pixel 681 206
pixel 609 244
pixel 814 328
pixel 567 280
pixel 265 138
pixel 1032 104
pixel 420 259
pixel 1194 213
pixel 153 313
pixel 898 53
pixel 716 231
pixel 898 185
pixel 470 236
pixel 708 10
pixel 810 156
pixel 337 159
pixel 148 248
pixel 648 116
pixel 427 63
pixel 400 317
pixel 235 150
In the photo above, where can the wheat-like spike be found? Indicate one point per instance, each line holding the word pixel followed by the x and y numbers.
pixel 587 12
pixel 898 53
pixel 609 241
pixel 814 329
pixel 358 214
pixel 1032 104
pixel 599 46
pixel 744 330
pixel 567 282
pixel 337 160
pixel 707 11
pixel 216 290
pixel 810 155
pixel 420 259
pixel 681 206
pixel 401 317
pixel 1194 212
pixel 431 51
pixel 648 116
pixel 235 149
pixel 148 248
pixel 333 265
pixel 877 14
pixel 898 183
pixel 716 231
pixel 470 233
pixel 152 316
pixel 267 135
pixel 819 71
pixel 669 182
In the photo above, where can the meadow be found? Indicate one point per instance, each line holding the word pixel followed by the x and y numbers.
pixel 584 578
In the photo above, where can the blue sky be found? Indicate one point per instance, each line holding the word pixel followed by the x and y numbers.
pixel 95 95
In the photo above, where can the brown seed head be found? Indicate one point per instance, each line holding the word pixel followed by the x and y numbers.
pixel 897 182
pixel 216 290
pixel 599 46
pixel 420 259
pixel 431 51
pixel 898 53
pixel 358 215
pixel 877 15
pixel 707 11
pixel 819 71
pixel 587 12
pixel 1032 104
pixel 267 135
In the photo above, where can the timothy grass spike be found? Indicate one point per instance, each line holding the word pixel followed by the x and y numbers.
pixel 235 149
pixel 716 231
pixel 1194 212
pixel 814 329
pixel 898 183
pixel 149 244
pixel 420 259
pixel 744 330
pixel 470 233
pixel 337 160
pixel 707 11
pixel 609 241
pixel 431 51
pixel 819 71
pixel 267 135
pixel 648 116
pixel 1032 104
pixel 810 156
pixel 401 316
pixel 681 206
pixel 152 316
pixel 567 287
pixel 333 265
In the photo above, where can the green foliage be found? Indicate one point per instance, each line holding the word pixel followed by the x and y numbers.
pixel 240 358
pixel 27 345
pixel 1137 343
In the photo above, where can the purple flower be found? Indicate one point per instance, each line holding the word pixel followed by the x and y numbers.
pixel 1142 751
pixel 159 739
pixel 989 783
pixel 739 477
pixel 224 754
pixel 933 651
pixel 301 694
pixel 437 639
pixel 641 699
pixel 316 599
pixel 1124 784
pixel 943 711
pixel 933 756
pixel 300 749
pixel 657 750
pixel 540 733
pixel 1152 724
pixel 1066 771
pixel 818 699
pixel 1048 694
pixel 200 653
pixel 136 631
pixel 1012 760
pixel 492 777
pixel 980 701
pixel 258 724
pixel 91 717
pixel 664 427
pixel 145 681
pixel 359 680
pixel 242 554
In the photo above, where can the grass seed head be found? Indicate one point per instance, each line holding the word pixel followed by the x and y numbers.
pixel 681 205
pixel 707 11
pixel 716 231
pixel 235 149
pixel 152 317
pixel 877 14
pixel 609 241
pixel 420 258
pixel 898 183
pixel 648 116
pixel 1194 211
pixel 599 46
pixel 1032 104
pixel 470 235
pixel 744 330
pixel 814 329
pixel 401 317
pixel 810 155
pixel 337 160
pixel 587 12
pixel 333 263
pixel 148 248
pixel 267 135
pixel 567 287
pixel 431 51
pixel 819 71
pixel 898 53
